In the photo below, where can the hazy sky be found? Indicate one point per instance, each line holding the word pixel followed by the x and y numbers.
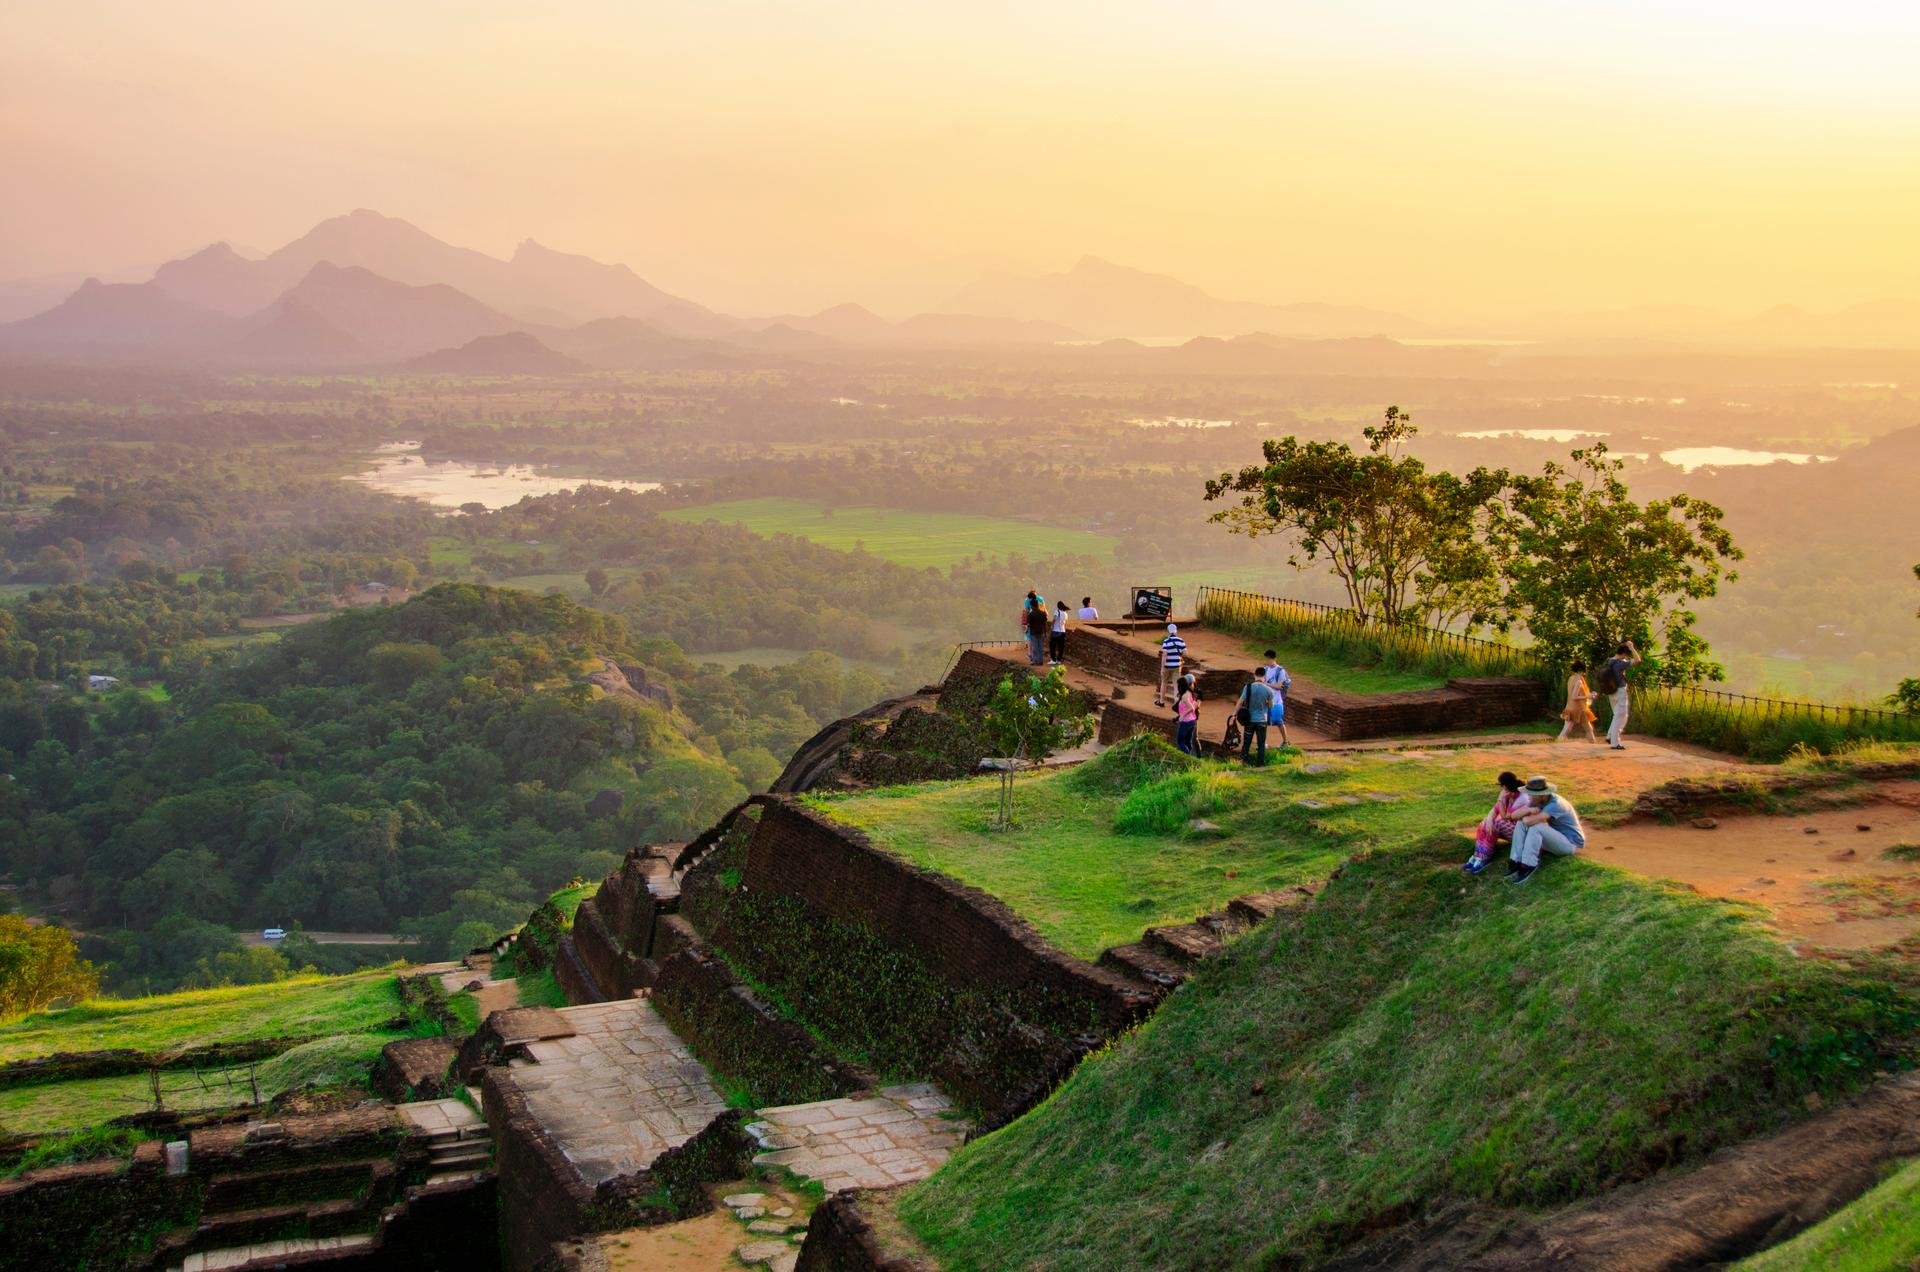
pixel 1444 159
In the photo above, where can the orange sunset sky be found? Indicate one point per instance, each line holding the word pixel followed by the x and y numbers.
pixel 1455 160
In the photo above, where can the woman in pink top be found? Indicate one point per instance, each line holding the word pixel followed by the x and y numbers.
pixel 1186 712
pixel 1498 824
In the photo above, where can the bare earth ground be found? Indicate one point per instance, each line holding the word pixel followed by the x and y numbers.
pixel 705 1244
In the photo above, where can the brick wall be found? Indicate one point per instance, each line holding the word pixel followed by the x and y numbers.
pixel 1463 704
pixel 971 937
pixel 1105 654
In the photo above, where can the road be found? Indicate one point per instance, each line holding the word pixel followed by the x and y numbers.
pixel 253 937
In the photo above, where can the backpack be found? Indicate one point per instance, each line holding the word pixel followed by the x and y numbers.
pixel 1607 679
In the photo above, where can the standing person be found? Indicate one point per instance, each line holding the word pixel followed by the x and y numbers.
pixel 1256 700
pixel 1186 714
pixel 1088 614
pixel 1057 638
pixel 1280 682
pixel 1578 713
pixel 1498 824
pixel 1173 655
pixel 1613 683
pixel 1037 635
pixel 1551 824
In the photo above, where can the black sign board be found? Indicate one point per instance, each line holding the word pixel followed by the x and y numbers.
pixel 1152 602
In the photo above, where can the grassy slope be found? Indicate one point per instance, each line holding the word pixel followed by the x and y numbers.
pixel 304 1006
pixel 1878 1233
pixel 1414 1035
pixel 1337 674
pixel 1086 886
pixel 909 538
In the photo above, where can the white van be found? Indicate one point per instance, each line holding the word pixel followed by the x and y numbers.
pixel 274 934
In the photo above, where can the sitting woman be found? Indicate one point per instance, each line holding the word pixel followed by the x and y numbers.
pixel 1497 826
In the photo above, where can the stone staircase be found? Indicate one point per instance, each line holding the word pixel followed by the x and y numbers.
pixel 459 1145
pixel 1165 956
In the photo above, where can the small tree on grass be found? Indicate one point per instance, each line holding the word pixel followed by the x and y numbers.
pixel 1407 544
pixel 1592 568
pixel 39 966
pixel 1029 718
pixel 1906 697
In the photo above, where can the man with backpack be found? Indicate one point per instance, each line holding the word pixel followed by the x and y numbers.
pixel 1612 681
pixel 1253 711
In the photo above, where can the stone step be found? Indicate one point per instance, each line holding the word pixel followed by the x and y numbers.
pixel 266 1223
pixel 269 1254
pixel 1143 964
pixel 1184 942
pixel 461 1155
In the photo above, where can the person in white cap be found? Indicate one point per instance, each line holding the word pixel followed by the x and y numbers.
pixel 1173 653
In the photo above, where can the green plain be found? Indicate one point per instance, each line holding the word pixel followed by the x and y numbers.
pixel 895 534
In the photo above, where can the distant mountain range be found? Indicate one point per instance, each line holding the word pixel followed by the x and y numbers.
pixel 367 291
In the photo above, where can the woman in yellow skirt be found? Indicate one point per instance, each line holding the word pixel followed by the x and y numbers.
pixel 1578 713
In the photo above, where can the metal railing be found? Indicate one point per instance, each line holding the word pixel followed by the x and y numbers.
pixel 1228 607
pixel 960 650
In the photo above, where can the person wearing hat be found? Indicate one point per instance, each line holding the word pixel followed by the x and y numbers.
pixel 1173 653
pixel 1551 825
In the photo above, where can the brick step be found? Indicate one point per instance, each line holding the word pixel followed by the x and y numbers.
pixel 1256 908
pixel 1143 964
pixel 230 1193
pixel 1184 942
pixel 273 1223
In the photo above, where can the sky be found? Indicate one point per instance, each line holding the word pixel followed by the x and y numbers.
pixel 1448 160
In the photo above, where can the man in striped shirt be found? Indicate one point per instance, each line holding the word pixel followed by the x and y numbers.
pixel 1173 652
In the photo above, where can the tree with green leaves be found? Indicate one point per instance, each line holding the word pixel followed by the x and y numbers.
pixel 1407 544
pixel 1590 568
pixel 1029 718
pixel 1906 695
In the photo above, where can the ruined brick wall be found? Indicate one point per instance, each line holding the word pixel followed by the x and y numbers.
pixel 902 970
pixel 739 1035
pixel 92 1214
pixel 968 936
pixel 541 1197
pixel 1108 655
pixel 1463 704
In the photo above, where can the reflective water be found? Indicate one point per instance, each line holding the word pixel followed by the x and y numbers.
pixel 449 483
pixel 1688 458
pixel 1535 434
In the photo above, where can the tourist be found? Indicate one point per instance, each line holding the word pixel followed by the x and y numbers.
pixel 1173 655
pixel 1037 635
pixel 1088 614
pixel 1550 824
pixel 1057 638
pixel 1613 683
pixel 1578 713
pixel 1497 826
pixel 1254 709
pixel 1280 682
pixel 1186 714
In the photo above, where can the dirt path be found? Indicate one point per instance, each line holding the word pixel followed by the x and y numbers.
pixel 1846 878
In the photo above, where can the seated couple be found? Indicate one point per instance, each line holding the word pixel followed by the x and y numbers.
pixel 1535 818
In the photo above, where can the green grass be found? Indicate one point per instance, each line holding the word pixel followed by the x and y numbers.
pixel 78 1146
pixel 540 989
pixel 466 1008
pixel 900 535
pixel 1348 677
pixel 301 1007
pixel 1878 1233
pixel 1411 1037
pixel 1087 884
pixel 88 1102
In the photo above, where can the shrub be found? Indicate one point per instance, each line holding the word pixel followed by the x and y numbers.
pixel 1166 806
pixel 1141 759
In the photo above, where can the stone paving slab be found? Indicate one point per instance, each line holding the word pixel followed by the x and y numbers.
pixel 619 1091
pixel 896 1136
pixel 440 1115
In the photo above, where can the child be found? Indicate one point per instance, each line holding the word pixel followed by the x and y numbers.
pixel 1186 714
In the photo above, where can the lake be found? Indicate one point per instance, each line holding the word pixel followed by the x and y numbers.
pixel 1688 458
pixel 400 469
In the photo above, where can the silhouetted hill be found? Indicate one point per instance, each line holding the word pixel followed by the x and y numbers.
pixel 946 329
pixel 392 319
pixel 118 318
pixel 293 334
pixel 510 353
pixel 855 324
pixel 1103 299
pixel 537 284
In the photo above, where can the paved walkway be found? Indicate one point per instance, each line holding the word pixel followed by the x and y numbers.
pixel 896 1136
pixel 620 1092
pixel 454 1116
